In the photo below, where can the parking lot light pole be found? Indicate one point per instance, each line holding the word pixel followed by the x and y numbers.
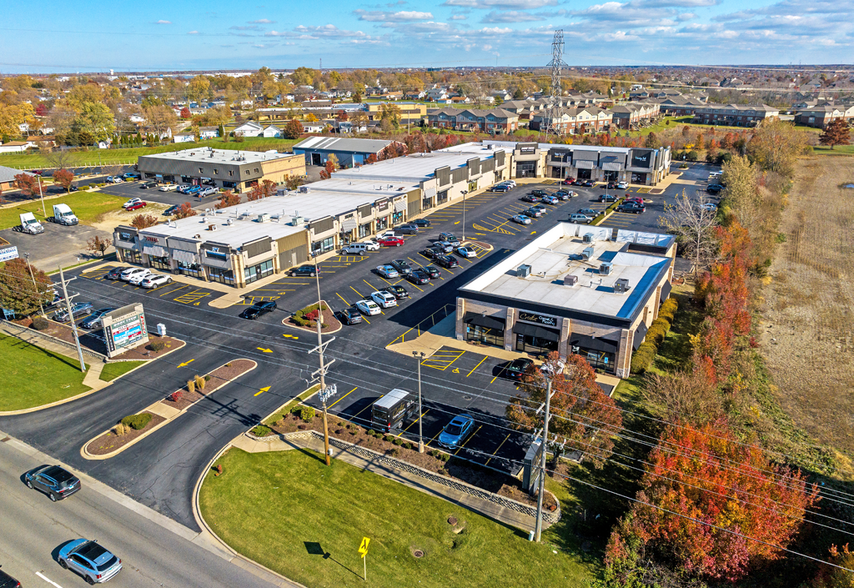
pixel 464 213
pixel 419 356
pixel 539 525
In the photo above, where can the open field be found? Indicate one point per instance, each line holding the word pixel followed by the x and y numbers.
pixel 88 207
pixel 286 510
pixel 33 376
pixel 130 155
pixel 808 312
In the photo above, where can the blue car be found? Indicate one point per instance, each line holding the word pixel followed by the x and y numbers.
pixel 94 563
pixel 455 432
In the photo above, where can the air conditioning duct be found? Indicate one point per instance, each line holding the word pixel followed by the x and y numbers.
pixel 587 253
pixel 523 271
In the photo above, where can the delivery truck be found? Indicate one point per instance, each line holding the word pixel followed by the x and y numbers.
pixel 29 224
pixel 63 215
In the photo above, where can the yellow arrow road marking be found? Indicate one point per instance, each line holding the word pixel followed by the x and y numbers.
pixel 262 390
pixel 289 336
pixel 264 350
pixel 186 363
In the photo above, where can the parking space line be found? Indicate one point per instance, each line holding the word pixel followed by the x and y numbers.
pixel 497 448
pixel 433 439
pixel 442 360
pixel 372 286
pixel 355 416
pixel 413 422
pixel 356 291
pixel 460 448
pixel 342 298
pixel 175 290
pixel 342 398
pixel 499 374
pixel 477 366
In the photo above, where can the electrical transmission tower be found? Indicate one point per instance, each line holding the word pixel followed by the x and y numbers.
pixel 553 111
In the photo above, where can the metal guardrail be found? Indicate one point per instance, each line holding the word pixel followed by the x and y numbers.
pixel 426 324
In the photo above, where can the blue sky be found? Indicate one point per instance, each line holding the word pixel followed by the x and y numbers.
pixel 157 35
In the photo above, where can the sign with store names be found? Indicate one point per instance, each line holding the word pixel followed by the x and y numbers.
pixel 549 321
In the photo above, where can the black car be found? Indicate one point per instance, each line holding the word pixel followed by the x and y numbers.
pixel 402 266
pixel 433 272
pixel 530 198
pixel 418 276
pixel 421 222
pixel 171 210
pixel 349 316
pixel 447 261
pixel 258 309
pixel 448 238
pixel 54 481
pixel 607 198
pixel 714 188
pixel 146 185
pixel 533 212
pixel 303 270
pixel 631 207
pixel 116 273
pixel 7 581
pixel 442 246
pixel 589 184
pixel 517 367
pixel 399 292
pixel 410 229
pixel 539 193
pixel 430 253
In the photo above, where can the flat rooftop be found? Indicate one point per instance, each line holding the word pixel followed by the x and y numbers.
pixel 558 253
pixel 511 145
pixel 210 155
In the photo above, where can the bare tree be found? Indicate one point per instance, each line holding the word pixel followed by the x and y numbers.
pixel 693 222
pixel 59 158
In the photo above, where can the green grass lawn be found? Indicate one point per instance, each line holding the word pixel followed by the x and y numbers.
pixel 87 206
pixel 34 376
pixel 286 509
pixel 837 150
pixel 131 154
pixel 115 370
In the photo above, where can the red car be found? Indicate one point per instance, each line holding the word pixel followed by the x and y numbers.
pixel 637 199
pixel 136 206
pixel 569 181
pixel 390 242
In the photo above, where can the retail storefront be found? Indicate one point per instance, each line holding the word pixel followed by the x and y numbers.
pixel 483 329
pixel 535 339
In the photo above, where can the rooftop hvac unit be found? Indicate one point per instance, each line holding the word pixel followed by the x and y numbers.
pixel 605 269
pixel 621 286
pixel 570 280
pixel 229 221
pixel 211 227
pixel 304 189
pixel 588 238
pixel 298 221
pixel 523 271
pixel 587 253
pixel 263 217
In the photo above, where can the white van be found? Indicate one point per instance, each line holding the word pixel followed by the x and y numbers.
pixel 357 248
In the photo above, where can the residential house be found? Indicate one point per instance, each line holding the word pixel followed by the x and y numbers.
pixel 16 146
pixel 575 121
pixel 495 120
pixel 821 116
pixel 436 94
pixel 633 115
pixel 271 131
pixel 411 113
pixel 737 115
pixel 184 137
pixel 249 129
pixel 208 133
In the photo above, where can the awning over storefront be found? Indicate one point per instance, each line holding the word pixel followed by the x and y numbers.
pixel 185 257
pixel 640 333
pixel 535 331
pixel 612 166
pixel 154 250
pixel 584 164
pixel 592 343
pixel 665 290
pixel 480 320
pixel 348 224
pixel 400 205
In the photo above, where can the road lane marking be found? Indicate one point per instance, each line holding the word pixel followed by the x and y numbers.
pixel 175 290
pixel 342 398
pixel 48 580
pixel 264 350
pixel 477 366
pixel 186 363
pixel 262 390
pixel 497 448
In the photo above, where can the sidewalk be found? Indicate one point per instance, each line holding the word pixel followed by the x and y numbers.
pixel 485 507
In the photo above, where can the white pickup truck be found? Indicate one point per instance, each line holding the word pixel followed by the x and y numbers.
pixel 29 224
pixel 63 215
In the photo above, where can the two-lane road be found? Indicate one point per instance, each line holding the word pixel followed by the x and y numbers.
pixel 155 552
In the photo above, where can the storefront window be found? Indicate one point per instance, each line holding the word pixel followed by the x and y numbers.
pixel 160 263
pixel 256 272
pixel 397 217
pixel 319 247
pixel 382 223
pixel 442 197
pixel 598 360
pixel 131 256
pixel 485 335
pixel 534 344
pixel 190 269
pixel 222 276
pixel 364 230
pixel 426 203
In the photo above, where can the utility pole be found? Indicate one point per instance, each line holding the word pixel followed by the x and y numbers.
pixel 323 366
pixel 464 213
pixel 29 267
pixel 71 320
pixel 44 211
pixel 539 526
pixel 419 356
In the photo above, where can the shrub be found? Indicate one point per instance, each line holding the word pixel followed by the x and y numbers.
pixel 394 452
pixel 218 470
pixel 120 430
pixel 407 445
pixel 296 409
pixel 41 324
pixel 371 432
pixel 207 378
pixel 307 413
pixel 397 441
pixel 261 430
pixel 277 423
pixel 200 382
pixel 445 456
pixel 642 358
pixel 354 432
pixel 175 396
pixel 157 346
pixel 657 331
pixel 137 421
pixel 191 386
pixel 388 438
pixel 668 310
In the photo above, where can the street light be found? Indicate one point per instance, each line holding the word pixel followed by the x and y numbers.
pixel 419 356
pixel 464 213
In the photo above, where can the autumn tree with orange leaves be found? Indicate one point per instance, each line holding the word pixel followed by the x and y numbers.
pixel 710 506
pixel 581 412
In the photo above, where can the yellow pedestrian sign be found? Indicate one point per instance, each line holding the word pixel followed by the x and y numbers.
pixel 363 548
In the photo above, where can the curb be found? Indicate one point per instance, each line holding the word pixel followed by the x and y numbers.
pixel 314 330
pixel 91 457
pixel 294 400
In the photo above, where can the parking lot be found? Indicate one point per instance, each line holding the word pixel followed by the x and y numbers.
pixel 133 190
pixel 174 291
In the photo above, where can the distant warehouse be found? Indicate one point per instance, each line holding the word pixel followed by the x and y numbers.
pixel 349 152
pixel 223 168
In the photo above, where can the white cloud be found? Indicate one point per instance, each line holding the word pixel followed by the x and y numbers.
pixel 511 16
pixel 501 4
pixel 193 33
pixel 244 28
pixel 163 22
pixel 262 21
pixel 401 16
pixel 620 36
pixel 458 17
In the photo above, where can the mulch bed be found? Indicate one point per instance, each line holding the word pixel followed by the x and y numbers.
pixel 501 484
pixel 332 323
pixel 109 442
pixel 217 378
pixel 94 343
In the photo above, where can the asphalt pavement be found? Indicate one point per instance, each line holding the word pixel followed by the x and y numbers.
pixel 161 470
pixel 154 552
